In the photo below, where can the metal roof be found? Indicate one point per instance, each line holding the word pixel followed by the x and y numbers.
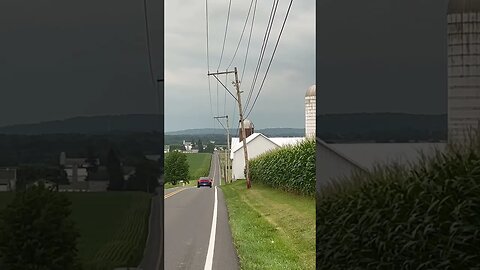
pixel 463 6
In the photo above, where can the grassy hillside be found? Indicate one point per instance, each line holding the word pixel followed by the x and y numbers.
pixel 199 164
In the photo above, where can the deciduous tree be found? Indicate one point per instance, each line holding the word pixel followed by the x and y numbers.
pixel 36 232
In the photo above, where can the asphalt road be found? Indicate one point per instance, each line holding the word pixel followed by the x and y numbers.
pixel 197 233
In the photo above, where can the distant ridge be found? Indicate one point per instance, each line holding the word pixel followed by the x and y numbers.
pixel 328 126
pixel 90 125
pixel 234 132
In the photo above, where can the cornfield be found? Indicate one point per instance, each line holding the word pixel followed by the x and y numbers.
pixel 126 248
pixel 424 216
pixel 290 168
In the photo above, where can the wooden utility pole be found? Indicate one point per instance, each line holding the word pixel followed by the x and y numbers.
pixel 228 150
pixel 227 129
pixel 239 102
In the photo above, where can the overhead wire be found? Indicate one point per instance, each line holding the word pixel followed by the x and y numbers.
pixel 262 52
pixel 208 63
pixel 271 59
pixel 248 43
pixel 263 49
pixel 225 35
pixel 241 35
pixel 150 65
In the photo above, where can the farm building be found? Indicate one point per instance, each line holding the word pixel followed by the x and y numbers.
pixel 257 144
pixel 335 161
pixel 8 179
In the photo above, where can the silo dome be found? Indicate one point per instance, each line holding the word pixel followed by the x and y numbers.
pixel 247 123
pixel 463 6
pixel 311 91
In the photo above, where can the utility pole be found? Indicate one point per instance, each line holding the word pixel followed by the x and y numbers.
pixel 228 145
pixel 239 102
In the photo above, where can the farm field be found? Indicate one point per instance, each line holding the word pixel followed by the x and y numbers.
pixel 199 165
pixel 113 227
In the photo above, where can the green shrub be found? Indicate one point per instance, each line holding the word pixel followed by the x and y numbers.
pixel 424 216
pixel 290 168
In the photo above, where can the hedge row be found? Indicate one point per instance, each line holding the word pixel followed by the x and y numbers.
pixel 290 168
pixel 422 217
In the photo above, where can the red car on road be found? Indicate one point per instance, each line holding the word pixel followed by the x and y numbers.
pixel 204 181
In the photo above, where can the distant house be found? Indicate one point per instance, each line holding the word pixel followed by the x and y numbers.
pixel 188 145
pixel 76 168
pixel 8 179
pixel 257 144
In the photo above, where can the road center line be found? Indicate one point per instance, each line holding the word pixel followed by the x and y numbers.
pixel 173 193
pixel 211 244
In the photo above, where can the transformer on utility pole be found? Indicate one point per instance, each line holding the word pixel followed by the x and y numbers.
pixel 239 102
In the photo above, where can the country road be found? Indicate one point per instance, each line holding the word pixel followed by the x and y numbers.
pixel 197 233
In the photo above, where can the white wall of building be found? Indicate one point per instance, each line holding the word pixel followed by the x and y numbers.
pixel 81 173
pixel 331 166
pixel 257 144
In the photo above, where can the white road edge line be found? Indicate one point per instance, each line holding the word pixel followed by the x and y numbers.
pixel 213 232
pixel 211 244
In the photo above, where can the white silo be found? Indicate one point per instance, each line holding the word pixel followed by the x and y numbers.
pixel 463 34
pixel 310 112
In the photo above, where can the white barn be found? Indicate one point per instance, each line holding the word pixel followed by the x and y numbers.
pixel 341 160
pixel 257 144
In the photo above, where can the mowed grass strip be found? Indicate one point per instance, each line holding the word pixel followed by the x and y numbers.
pixel 105 219
pixel 272 229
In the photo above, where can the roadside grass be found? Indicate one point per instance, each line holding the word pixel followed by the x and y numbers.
pixel 113 226
pixel 199 165
pixel 271 229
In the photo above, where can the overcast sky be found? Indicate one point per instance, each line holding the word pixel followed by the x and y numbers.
pixel 60 59
pixel 280 103
pixel 382 55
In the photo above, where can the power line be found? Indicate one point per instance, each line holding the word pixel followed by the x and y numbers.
pixel 241 35
pixel 147 32
pixel 262 50
pixel 208 62
pixel 248 44
pixel 271 59
pixel 225 35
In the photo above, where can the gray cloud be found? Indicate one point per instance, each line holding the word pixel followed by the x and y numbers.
pixel 60 59
pixel 281 102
